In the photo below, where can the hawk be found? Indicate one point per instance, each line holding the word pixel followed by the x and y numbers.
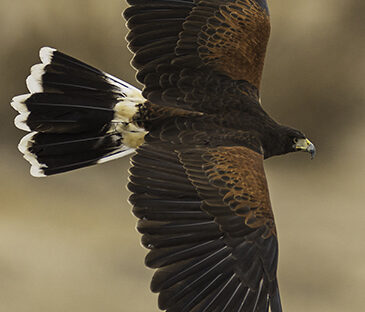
pixel 200 136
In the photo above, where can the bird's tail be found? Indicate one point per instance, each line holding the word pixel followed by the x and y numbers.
pixel 77 115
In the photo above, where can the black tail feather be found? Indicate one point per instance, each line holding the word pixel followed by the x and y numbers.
pixel 78 115
pixel 66 113
pixel 58 153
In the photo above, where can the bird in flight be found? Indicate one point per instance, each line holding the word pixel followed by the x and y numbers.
pixel 199 134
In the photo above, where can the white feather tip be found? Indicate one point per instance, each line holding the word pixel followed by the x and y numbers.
pixel 46 55
pixel 25 143
pixel 37 172
pixel 18 103
pixel 20 121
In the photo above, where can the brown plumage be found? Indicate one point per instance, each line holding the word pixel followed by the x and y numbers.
pixel 197 179
pixel 239 175
pixel 198 182
pixel 203 201
pixel 234 40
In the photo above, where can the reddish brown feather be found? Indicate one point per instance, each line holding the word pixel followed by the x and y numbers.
pixel 235 40
pixel 239 175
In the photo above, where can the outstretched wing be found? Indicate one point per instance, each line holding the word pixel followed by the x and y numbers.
pixel 205 215
pixel 192 54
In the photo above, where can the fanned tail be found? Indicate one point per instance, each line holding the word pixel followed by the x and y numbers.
pixel 77 115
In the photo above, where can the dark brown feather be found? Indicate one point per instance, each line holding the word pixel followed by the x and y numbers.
pixel 212 50
pixel 209 254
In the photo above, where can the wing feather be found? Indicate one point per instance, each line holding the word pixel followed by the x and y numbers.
pixel 189 53
pixel 206 255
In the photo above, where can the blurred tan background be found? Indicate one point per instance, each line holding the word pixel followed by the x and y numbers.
pixel 68 243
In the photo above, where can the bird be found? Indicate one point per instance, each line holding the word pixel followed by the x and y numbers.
pixel 199 136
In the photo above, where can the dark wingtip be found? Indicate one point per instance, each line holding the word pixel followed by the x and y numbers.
pixel 275 302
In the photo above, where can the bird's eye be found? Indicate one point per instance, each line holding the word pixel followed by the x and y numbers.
pixel 295 140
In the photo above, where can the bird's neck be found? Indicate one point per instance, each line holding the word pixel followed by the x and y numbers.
pixel 271 135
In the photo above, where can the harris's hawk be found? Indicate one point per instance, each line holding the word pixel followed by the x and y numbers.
pixel 200 135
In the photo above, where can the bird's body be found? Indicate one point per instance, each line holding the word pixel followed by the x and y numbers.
pixel 200 133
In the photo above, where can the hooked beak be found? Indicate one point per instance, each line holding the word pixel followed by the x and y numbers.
pixel 306 146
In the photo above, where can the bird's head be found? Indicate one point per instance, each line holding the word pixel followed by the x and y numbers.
pixel 286 140
pixel 295 141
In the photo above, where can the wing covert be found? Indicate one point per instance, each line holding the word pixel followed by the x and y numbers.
pixel 239 175
pixel 232 38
